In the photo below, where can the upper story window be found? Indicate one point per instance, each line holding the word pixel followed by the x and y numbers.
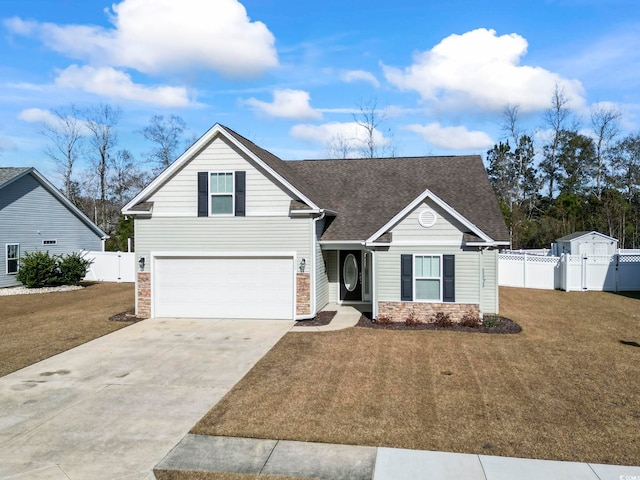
pixel 13 258
pixel 221 193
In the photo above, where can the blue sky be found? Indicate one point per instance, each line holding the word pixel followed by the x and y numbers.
pixel 289 74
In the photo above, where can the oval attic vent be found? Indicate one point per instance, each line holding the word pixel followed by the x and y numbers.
pixel 427 218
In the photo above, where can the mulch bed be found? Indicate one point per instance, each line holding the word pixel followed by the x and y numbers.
pixel 322 318
pixel 128 316
pixel 492 324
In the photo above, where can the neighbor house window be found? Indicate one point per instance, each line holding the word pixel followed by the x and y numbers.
pixel 221 193
pixel 13 256
pixel 49 242
pixel 427 275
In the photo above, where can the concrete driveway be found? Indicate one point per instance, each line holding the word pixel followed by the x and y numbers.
pixel 114 407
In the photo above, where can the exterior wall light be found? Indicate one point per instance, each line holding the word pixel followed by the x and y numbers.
pixel 141 263
pixel 303 264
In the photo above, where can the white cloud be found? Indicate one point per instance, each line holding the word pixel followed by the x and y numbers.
pixel 154 36
pixel 481 69
pixel 453 138
pixel 38 115
pixel 293 104
pixel 360 76
pixel 112 83
pixel 335 135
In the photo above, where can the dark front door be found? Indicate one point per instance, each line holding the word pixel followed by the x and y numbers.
pixel 350 275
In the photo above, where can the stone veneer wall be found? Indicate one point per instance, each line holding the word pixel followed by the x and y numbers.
pixel 303 294
pixel 144 295
pixel 399 311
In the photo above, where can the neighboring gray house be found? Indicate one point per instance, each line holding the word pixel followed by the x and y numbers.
pixel 586 244
pixel 229 230
pixel 34 215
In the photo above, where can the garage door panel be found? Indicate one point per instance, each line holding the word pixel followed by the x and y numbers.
pixel 223 287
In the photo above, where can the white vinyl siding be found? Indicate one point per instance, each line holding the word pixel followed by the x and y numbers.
pixel 468 288
pixel 446 229
pixel 489 277
pixel 322 281
pixel 331 260
pixel 179 195
pixel 222 234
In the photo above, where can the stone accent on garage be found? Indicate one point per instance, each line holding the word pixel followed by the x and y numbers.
pixel 399 311
pixel 144 295
pixel 303 294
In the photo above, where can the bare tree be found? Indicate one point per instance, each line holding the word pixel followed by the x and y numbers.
pixel 101 121
pixel 370 118
pixel 166 134
pixel 340 146
pixel 605 127
pixel 556 118
pixel 65 136
pixel 511 123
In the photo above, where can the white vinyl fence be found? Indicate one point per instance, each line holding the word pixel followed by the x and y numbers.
pixel 610 273
pixel 111 266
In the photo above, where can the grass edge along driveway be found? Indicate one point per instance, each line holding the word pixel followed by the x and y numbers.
pixel 565 388
pixel 37 326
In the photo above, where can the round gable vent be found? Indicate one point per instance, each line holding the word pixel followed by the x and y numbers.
pixel 427 218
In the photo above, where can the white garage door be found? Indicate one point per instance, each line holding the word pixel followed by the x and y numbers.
pixel 253 287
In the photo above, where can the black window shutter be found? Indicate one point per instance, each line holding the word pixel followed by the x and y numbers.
pixel 203 194
pixel 241 194
pixel 406 278
pixel 448 277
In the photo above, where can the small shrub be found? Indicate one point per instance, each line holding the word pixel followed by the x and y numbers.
pixel 490 321
pixel 384 320
pixel 471 319
pixel 73 268
pixel 442 319
pixel 412 320
pixel 38 269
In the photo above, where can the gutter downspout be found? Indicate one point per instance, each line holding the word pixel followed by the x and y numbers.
pixel 312 270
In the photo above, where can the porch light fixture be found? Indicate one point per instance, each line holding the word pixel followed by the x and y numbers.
pixel 141 263
pixel 303 264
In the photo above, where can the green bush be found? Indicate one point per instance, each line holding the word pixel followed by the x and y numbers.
pixel 38 269
pixel 73 268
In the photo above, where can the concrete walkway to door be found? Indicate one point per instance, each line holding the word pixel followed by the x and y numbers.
pixel 112 408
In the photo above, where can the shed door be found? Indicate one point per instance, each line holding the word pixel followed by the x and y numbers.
pixel 205 287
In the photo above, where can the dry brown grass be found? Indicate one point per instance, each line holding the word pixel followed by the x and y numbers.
pixel 565 388
pixel 35 327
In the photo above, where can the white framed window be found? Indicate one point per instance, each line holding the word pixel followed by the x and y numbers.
pixel 13 258
pixel 221 193
pixel 427 278
pixel 49 242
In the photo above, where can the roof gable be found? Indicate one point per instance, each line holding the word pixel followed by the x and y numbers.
pixel 576 235
pixel 10 175
pixel 273 165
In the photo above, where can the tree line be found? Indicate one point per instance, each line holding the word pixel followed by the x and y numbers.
pixel 97 175
pixel 577 178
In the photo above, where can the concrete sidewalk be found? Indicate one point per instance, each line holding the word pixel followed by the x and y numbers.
pixel 112 408
pixel 347 316
pixel 350 462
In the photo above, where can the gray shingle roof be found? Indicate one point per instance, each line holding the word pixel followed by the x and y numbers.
pixel 9 173
pixel 367 193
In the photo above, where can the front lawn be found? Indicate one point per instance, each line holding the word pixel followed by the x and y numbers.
pixel 566 388
pixel 37 326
